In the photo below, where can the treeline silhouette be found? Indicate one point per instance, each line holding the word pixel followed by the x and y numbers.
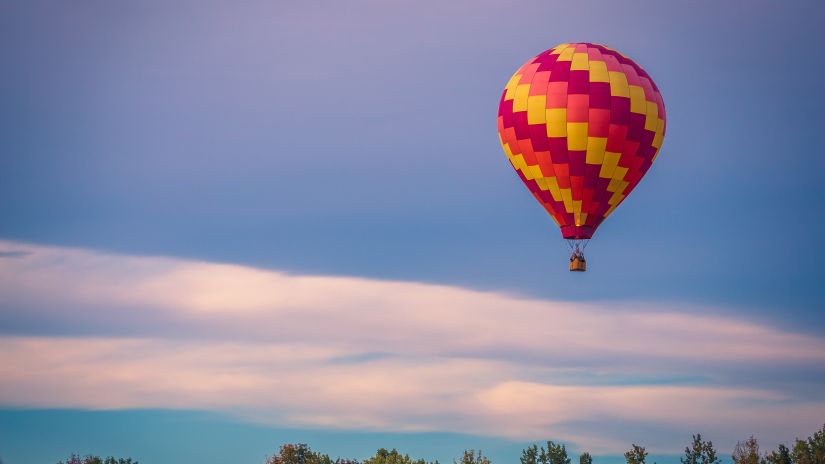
pixel 699 451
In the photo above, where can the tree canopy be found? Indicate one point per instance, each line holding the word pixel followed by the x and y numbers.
pixel 808 451
pixel 700 452
pixel 782 455
pixel 472 457
pixel 747 452
pixel 298 453
pixel 382 456
pixel 636 455
pixel 90 459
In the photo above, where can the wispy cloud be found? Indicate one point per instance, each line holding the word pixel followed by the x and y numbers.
pixel 12 253
pixel 93 330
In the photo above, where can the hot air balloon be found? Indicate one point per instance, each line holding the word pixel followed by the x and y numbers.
pixel 581 124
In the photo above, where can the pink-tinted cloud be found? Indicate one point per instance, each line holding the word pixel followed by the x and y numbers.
pixel 360 353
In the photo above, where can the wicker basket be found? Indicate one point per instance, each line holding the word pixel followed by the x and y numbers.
pixel 578 264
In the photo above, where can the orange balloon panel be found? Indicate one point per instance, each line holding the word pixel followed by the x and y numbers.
pixel 581 124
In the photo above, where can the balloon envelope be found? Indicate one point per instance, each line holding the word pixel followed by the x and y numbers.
pixel 581 124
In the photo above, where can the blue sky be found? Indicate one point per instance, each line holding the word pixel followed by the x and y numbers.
pixel 351 148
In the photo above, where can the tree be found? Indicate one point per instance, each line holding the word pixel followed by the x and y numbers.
pixel 636 455
pixel 801 453
pixel 555 454
pixel 700 452
pixel 73 459
pixel 810 451
pixel 471 457
pixel 585 458
pixel 382 456
pixel 298 453
pixel 781 456
pixel 530 455
pixel 816 444
pixel 747 452
pixel 90 459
